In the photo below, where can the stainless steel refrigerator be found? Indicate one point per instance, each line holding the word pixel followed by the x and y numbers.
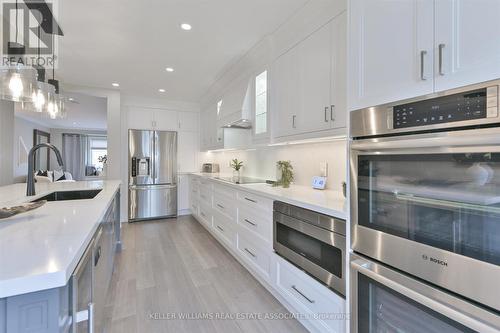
pixel 152 174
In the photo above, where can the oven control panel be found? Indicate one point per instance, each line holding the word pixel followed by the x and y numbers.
pixel 470 105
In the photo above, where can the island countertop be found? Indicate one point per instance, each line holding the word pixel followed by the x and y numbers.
pixel 40 249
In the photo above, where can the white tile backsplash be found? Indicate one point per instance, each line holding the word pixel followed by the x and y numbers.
pixel 306 161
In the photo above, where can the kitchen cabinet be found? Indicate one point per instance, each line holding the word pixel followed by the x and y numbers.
pixel 187 151
pixel 212 136
pixel 188 121
pixel 308 84
pixel 183 193
pixel 154 119
pixel 466 35
pixel 404 49
pixel 391 50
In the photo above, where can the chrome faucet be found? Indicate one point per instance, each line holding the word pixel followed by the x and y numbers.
pixel 30 190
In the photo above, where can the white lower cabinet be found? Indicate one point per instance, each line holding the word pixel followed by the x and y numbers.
pixel 244 226
pixel 310 297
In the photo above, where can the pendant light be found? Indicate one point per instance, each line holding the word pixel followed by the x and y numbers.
pixel 17 80
pixel 43 91
pixel 56 106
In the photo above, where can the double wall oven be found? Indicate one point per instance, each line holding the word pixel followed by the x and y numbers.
pixel 425 213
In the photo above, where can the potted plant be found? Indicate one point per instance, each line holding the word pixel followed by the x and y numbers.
pixel 285 171
pixel 236 165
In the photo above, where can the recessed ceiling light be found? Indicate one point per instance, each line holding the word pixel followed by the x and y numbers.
pixel 186 26
pixel 169 69
pixel 161 90
pixel 115 84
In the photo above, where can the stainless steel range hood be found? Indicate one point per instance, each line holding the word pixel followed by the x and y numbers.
pixel 236 106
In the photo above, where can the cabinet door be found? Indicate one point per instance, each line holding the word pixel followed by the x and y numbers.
pixel 140 118
pixel 165 120
pixel 188 121
pixel 338 107
pixel 314 81
pixel 387 40
pixel 284 93
pixel 467 42
pixel 187 151
pixel 183 192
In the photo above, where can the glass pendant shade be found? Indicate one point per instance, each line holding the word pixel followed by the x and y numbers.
pixel 17 83
pixel 56 108
pixel 42 94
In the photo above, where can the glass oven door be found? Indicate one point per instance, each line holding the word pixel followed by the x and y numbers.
pixel 384 300
pixel 431 211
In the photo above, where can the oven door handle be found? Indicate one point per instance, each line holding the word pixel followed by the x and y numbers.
pixel 420 293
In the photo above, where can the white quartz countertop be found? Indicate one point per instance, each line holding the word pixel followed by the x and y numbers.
pixel 326 202
pixel 40 249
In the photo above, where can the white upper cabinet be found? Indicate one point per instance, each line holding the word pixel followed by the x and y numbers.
pixel 284 96
pixel 140 118
pixel 308 84
pixel 338 83
pixel 467 42
pixel 165 120
pixel 391 47
pixel 188 121
pixel 314 81
pixel 152 119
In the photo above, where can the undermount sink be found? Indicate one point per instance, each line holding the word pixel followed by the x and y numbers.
pixel 69 195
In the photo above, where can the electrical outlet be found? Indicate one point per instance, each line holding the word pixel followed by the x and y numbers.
pixel 323 169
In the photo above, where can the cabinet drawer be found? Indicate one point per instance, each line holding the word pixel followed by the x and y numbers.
pixel 256 254
pixel 256 223
pixel 224 228
pixel 205 214
pixel 301 289
pixel 225 191
pixel 253 201
pixel 225 206
pixel 205 195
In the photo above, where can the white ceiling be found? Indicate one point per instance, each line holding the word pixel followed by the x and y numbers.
pixel 89 113
pixel 132 42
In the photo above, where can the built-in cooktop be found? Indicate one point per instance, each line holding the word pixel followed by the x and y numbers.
pixel 241 180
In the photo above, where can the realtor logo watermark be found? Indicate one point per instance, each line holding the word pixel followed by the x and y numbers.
pixel 29 33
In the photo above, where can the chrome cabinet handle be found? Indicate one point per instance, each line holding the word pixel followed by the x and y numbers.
pixel 423 53
pixel 86 315
pixel 301 294
pixel 220 206
pixel 250 252
pixel 220 228
pixel 293 121
pixel 250 222
pixel 441 47
pixel 332 112
pixel 326 112
pixel 251 200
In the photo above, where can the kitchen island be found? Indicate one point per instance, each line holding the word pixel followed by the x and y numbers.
pixel 41 249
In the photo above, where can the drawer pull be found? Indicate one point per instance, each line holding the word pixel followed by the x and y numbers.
pixel 251 200
pixel 204 197
pixel 203 214
pixel 220 228
pixel 250 222
pixel 220 206
pixel 301 294
pixel 250 252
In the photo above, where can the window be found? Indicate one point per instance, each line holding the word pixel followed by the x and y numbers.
pixel 98 152
pixel 261 103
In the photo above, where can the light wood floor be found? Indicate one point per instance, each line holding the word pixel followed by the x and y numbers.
pixel 175 266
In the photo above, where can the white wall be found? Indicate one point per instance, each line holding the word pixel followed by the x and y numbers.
pixel 6 142
pixel 305 158
pixel 23 130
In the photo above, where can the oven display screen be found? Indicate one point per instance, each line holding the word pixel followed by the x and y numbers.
pixel 446 109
